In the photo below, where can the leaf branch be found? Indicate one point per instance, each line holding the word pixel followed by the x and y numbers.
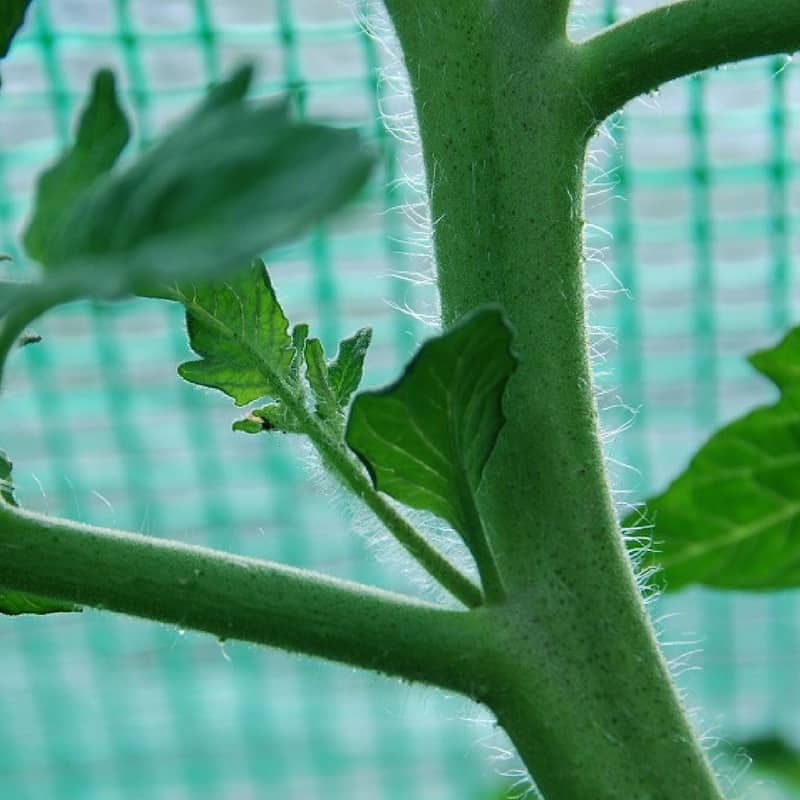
pixel 239 598
pixel 339 459
pixel 638 55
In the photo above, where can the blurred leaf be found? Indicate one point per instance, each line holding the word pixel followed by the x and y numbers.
pixel 775 756
pixel 299 336
pixel 426 438
pixel 29 338
pixel 12 15
pixel 102 134
pixel 731 520
pixel 229 181
pixel 13 603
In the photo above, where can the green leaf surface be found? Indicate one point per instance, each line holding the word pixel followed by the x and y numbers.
pixel 317 375
pixel 230 181
pixel 299 336
pixel 732 519
pixel 333 383
pixel 13 603
pixel 426 438
pixel 774 756
pixel 347 369
pixel 12 15
pixel 241 333
pixel 102 134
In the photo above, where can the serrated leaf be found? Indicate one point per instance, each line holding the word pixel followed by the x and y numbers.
pixel 426 438
pixel 299 336
pixel 317 376
pixel 347 369
pixel 103 131
pixel 333 383
pixel 230 181
pixel 12 15
pixel 13 603
pixel 237 328
pixel 732 519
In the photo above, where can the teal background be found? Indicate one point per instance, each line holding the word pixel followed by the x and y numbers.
pixel 695 214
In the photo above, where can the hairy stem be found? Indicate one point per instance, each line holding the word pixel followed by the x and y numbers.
pixel 585 694
pixel 234 598
pixel 674 40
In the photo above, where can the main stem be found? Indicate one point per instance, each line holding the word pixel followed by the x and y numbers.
pixel 585 694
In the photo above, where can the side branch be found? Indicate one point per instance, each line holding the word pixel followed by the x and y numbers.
pixel 637 56
pixel 233 597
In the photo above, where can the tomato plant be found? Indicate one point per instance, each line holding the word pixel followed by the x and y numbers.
pixel 492 427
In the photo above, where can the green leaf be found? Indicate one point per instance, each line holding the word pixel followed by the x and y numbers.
pixel 333 383
pixel 241 333
pixel 12 15
pixel 13 603
pixel 346 370
pixel 426 438
pixel 317 375
pixel 776 757
pixel 299 336
pixel 102 134
pixel 230 181
pixel 732 519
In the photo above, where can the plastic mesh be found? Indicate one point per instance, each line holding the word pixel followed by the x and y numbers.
pixel 703 204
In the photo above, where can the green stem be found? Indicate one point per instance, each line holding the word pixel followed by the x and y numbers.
pixel 233 597
pixel 637 56
pixel 338 458
pixel 584 694
pixel 479 545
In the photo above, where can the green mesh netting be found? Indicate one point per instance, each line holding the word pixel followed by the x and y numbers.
pixel 699 189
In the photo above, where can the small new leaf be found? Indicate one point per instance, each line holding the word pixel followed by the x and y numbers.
pixel 731 520
pixel 333 383
pixel 13 603
pixel 317 376
pixel 299 336
pixel 426 438
pixel 347 369
pixel 102 134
